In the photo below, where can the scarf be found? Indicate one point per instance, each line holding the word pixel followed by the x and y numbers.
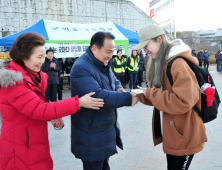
pixel 35 77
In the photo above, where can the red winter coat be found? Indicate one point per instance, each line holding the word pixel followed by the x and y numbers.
pixel 24 143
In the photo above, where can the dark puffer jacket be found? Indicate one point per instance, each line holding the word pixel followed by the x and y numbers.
pixel 95 133
pixel 200 56
pixel 219 58
pixel 51 72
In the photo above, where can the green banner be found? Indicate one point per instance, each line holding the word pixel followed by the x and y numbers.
pixel 75 48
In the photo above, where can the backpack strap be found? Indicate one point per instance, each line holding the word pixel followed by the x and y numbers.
pixel 169 75
pixel 169 65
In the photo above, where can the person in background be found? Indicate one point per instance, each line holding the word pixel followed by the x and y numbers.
pixel 51 68
pixel 68 64
pixel 145 61
pixel 126 72
pixel 24 143
pixel 141 68
pixel 111 62
pixel 216 58
pixel 119 64
pixel 193 53
pixel 59 88
pixel 63 66
pixel 206 59
pixel 200 57
pixel 219 62
pixel 133 68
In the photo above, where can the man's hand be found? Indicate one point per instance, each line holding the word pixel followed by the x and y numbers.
pixel 53 65
pixel 121 90
pixel 135 99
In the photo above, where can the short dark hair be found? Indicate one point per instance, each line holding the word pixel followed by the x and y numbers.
pixel 205 49
pixel 193 50
pixel 49 50
pixel 23 46
pixel 98 38
pixel 119 51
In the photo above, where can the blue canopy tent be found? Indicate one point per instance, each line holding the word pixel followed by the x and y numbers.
pixel 61 32
pixel 38 28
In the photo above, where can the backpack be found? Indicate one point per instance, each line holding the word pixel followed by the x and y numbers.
pixel 206 113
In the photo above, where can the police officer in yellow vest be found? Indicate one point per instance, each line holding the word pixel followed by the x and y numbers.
pixel 133 68
pixel 119 64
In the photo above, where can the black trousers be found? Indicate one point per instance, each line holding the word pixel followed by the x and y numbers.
pixel 59 90
pixel 206 64
pixel 140 78
pixel 126 76
pixel 122 80
pixel 200 63
pixel 98 165
pixel 178 162
pixel 51 93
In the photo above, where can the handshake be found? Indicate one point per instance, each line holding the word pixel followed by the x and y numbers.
pixel 135 99
pixel 136 68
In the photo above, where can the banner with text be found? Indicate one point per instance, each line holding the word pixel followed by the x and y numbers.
pixel 64 49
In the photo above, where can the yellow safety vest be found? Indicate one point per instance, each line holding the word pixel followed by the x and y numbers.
pixel 119 70
pixel 134 64
pixel 125 60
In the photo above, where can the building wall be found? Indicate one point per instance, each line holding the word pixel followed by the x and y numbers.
pixel 211 34
pixel 17 15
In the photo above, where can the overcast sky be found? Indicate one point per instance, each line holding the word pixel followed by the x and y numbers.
pixel 193 14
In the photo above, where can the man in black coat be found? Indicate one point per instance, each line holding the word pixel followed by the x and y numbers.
pixel 193 53
pixel 218 52
pixel 96 133
pixel 200 57
pixel 51 68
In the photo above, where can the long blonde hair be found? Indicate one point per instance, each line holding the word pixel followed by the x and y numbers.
pixel 155 67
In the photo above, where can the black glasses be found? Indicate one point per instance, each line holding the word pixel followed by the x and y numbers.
pixel 145 48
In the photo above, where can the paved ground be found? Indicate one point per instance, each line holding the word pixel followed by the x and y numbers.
pixel 139 152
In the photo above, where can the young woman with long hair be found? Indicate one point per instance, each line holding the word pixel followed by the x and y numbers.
pixel 175 123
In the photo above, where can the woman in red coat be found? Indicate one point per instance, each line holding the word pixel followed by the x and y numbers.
pixel 24 143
